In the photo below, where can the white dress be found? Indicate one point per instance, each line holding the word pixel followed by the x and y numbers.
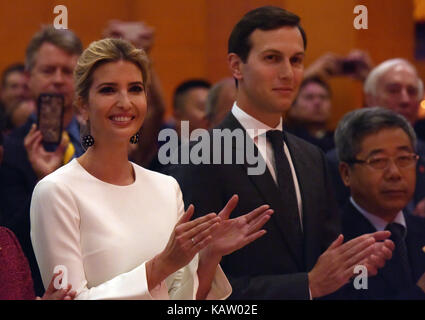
pixel 103 234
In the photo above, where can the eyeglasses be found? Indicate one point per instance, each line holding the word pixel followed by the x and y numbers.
pixel 382 163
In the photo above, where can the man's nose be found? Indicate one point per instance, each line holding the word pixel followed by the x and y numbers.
pixel 393 171
pixel 58 77
pixel 285 70
pixel 404 96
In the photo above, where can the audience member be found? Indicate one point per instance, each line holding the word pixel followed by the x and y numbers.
pixel 309 114
pixel 15 274
pixel 14 86
pixel 121 230
pixel 189 103
pixel 394 84
pixel 376 149
pixel 50 60
pixel 220 101
pixel 302 255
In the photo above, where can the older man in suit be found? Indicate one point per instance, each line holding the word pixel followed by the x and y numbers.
pixel 393 84
pixel 376 148
pixel 301 256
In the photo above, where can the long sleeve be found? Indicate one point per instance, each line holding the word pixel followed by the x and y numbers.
pixel 55 235
pixel 104 235
pixel 184 283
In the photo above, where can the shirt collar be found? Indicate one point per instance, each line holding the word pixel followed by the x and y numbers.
pixel 253 126
pixel 379 223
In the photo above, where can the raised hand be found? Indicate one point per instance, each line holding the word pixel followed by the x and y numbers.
pixel 381 253
pixel 325 66
pixel 336 265
pixel 187 239
pixel 229 236
pixel 43 162
pixel 233 234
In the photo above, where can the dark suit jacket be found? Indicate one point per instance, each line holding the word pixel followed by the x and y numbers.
pixel 276 265
pixel 382 286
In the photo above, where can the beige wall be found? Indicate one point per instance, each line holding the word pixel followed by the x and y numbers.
pixel 191 35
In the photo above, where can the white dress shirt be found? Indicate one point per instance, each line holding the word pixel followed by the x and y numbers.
pixel 254 129
pixel 379 223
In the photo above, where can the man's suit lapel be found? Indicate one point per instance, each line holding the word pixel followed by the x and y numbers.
pixel 267 187
pixel 309 220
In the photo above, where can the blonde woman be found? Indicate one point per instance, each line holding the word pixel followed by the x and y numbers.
pixel 119 230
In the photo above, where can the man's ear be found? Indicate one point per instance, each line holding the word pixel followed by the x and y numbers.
pixel 235 65
pixel 344 171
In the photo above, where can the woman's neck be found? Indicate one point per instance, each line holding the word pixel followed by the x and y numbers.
pixel 109 163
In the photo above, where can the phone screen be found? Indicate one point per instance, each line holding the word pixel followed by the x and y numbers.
pixel 50 117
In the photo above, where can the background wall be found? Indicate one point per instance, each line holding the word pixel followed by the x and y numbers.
pixel 191 35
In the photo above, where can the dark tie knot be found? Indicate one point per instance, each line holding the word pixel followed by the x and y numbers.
pixel 275 137
pixel 397 230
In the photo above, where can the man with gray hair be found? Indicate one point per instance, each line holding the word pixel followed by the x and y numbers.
pixel 51 57
pixel 376 149
pixel 394 84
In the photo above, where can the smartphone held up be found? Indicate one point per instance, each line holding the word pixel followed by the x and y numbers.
pixel 50 108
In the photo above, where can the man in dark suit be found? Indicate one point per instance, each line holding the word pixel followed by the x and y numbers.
pixel 393 84
pixel 295 259
pixel 378 158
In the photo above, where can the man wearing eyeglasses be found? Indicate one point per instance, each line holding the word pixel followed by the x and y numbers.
pixel 376 150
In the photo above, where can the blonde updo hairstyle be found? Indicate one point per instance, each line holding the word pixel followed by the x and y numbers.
pixel 104 51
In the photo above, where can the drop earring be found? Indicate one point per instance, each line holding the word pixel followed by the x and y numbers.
pixel 135 139
pixel 87 141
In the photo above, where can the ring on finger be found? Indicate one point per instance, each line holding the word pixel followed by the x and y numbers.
pixel 193 241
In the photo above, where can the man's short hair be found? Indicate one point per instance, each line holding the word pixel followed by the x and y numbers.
pixel 358 124
pixel 371 82
pixel 263 18
pixel 16 67
pixel 184 87
pixel 62 38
